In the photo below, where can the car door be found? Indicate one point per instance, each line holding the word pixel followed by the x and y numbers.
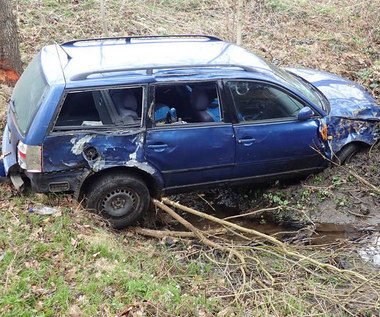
pixel 90 133
pixel 270 139
pixel 187 143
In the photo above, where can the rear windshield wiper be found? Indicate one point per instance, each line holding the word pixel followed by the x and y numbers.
pixel 12 107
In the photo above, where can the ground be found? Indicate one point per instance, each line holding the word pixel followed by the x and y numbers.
pixel 73 263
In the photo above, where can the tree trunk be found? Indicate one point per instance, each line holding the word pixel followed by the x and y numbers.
pixel 10 61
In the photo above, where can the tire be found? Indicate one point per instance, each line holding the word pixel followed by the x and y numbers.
pixel 119 198
pixel 346 153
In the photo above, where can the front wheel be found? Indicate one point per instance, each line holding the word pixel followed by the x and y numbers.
pixel 346 153
pixel 119 198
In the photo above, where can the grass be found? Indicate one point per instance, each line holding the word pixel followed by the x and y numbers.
pixel 72 263
pixel 53 264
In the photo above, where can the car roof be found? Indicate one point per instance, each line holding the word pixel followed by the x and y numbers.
pixel 106 59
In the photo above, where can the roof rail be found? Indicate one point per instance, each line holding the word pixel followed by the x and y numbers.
pixel 149 70
pixel 128 39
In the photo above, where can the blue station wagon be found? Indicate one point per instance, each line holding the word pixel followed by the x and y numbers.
pixel 119 120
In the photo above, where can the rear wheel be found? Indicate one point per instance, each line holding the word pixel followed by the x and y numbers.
pixel 346 153
pixel 120 198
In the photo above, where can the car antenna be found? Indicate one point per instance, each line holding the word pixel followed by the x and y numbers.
pixel 61 46
pixel 60 62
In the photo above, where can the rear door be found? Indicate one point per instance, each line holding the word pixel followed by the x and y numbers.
pixel 270 140
pixel 187 142
pixel 96 128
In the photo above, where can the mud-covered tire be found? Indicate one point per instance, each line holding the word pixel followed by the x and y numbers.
pixel 346 153
pixel 119 198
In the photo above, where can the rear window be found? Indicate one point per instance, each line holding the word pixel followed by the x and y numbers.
pixel 28 94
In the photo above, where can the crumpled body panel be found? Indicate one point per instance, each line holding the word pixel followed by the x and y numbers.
pixel 354 115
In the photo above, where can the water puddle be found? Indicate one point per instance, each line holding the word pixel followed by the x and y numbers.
pixel 366 243
pixel 370 251
pixel 331 229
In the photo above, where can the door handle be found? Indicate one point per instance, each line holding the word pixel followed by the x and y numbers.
pixel 158 147
pixel 246 141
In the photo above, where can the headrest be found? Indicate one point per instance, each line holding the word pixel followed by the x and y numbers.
pixel 125 99
pixel 199 99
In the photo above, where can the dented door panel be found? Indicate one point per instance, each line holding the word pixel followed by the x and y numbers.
pixel 95 151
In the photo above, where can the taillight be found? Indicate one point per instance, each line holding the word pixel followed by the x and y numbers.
pixel 29 157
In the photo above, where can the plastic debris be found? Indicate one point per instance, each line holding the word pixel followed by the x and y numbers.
pixel 43 210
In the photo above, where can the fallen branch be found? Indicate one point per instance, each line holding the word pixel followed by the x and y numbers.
pixel 225 223
pixel 199 234
pixel 177 234
pixel 283 249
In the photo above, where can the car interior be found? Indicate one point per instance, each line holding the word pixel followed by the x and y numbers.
pixel 186 103
pixel 257 101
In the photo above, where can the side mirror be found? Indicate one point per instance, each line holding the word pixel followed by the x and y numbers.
pixel 305 113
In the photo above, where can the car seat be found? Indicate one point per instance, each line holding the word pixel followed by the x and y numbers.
pixel 199 104
pixel 126 105
pixel 213 110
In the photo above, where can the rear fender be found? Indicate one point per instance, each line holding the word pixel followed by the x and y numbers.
pixel 150 175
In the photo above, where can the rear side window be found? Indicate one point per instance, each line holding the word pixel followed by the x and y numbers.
pixel 83 109
pixel 28 94
pixel 99 108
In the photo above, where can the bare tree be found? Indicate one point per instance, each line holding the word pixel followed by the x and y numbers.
pixel 10 61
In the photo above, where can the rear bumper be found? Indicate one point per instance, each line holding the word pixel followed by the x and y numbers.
pixel 68 181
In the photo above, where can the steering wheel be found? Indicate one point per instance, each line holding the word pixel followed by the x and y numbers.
pixel 241 88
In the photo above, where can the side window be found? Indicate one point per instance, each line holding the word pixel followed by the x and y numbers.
pixel 83 109
pixel 186 103
pixel 128 105
pixel 260 101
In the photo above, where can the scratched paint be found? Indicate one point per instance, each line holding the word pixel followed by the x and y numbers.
pixel 78 144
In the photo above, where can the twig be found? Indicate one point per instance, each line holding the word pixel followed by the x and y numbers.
pixel 358 215
pixel 224 222
pixel 207 202
pixel 253 212
pixel 347 170
pixel 178 234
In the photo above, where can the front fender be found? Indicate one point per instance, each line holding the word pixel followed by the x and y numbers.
pixel 342 131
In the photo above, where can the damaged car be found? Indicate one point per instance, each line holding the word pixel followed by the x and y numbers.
pixel 119 120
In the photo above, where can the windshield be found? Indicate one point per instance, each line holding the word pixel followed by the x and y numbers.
pixel 28 94
pixel 303 87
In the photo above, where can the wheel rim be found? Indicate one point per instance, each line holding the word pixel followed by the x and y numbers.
pixel 119 202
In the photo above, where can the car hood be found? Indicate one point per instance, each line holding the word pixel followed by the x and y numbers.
pixel 347 99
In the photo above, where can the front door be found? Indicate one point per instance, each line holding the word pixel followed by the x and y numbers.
pixel 270 140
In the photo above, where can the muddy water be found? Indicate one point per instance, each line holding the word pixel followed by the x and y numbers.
pixel 367 242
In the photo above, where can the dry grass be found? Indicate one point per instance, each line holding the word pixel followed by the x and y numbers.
pixel 341 37
pixel 75 265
